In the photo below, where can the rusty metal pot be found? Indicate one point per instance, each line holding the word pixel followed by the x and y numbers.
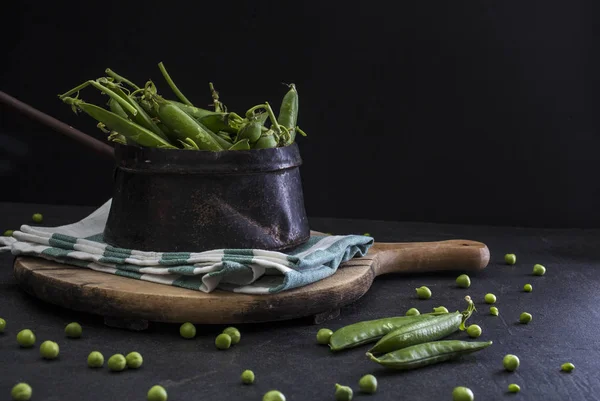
pixel 190 201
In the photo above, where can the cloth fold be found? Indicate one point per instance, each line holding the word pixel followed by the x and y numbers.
pixel 250 271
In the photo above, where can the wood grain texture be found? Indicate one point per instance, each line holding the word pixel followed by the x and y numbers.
pixel 115 296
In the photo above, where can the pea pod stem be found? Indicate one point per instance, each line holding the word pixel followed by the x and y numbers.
pixel 124 103
pixel 120 78
pixel 219 107
pixel 174 87
pixel 276 126
pixel 74 90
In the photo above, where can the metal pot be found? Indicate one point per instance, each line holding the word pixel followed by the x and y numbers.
pixel 168 200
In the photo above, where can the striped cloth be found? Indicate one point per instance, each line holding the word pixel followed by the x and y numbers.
pixel 250 271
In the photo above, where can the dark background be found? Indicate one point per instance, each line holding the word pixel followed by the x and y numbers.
pixel 463 112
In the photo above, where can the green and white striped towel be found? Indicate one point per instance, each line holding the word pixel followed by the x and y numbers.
pixel 250 271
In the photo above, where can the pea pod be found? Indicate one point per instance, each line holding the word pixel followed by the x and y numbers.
pixel 215 121
pixel 128 129
pixel 242 144
pixel 418 332
pixel 184 126
pixel 360 333
pixel 418 356
pixel 251 131
pixel 225 136
pixel 288 112
pixel 116 108
pixel 422 331
pixel 266 140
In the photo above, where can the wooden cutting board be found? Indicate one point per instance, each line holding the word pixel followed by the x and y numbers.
pixel 131 303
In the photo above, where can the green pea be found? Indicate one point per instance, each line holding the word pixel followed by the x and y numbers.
pixel 510 258
pixel 323 336
pixel 8 233
pixel 247 377
pixel 37 218
pixel 474 331
pixel 462 394
pixel 494 311
pixel 490 299
pixel 539 270
pixel 525 317
pixel 423 292
pixel 413 312
pixel 134 360
pixel 49 350
pixel 187 330
pixel 157 393
pixel 511 362
pixel 95 359
pixel 21 392
pixel 234 333
pixel 273 395
pixel 223 341
pixel 2 325
pixel 463 281
pixel 514 388
pixel 527 288
pixel 440 309
pixel 73 330
pixel 367 234
pixel 368 384
pixel 343 393
pixel 567 367
pixel 117 363
pixel 26 338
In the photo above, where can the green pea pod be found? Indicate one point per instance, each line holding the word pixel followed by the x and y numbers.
pixel 215 121
pixel 242 144
pixel 143 119
pixel 184 126
pixel 418 332
pixel 418 356
pixel 360 333
pixel 288 112
pixel 251 131
pixel 116 108
pixel 225 135
pixel 128 129
pixel 266 140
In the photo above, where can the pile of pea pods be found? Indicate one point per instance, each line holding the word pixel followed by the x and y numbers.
pixel 139 116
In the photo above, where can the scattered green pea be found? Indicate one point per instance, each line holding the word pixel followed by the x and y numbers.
pixel 8 233
pixel 157 393
pixel 273 395
pixel 234 333
pixel 49 350
pixel 440 309
pixel 567 367
pixel 367 234
pixel 463 281
pixel 223 341
pixel 462 394
pixel 539 270
pixel 134 360
pixel 525 317
pixel 73 330
pixel 343 393
pixel 37 218
pixel 117 363
pixel 95 359
pixel 423 292
pixel 490 299
pixel 26 338
pixel 247 377
pixel 514 388
pixel 187 330
pixel 474 331
pixel 510 258
pixel 527 288
pixel 511 362
pixel 413 312
pixel 21 392
pixel 494 311
pixel 323 336
pixel 2 325
pixel 368 384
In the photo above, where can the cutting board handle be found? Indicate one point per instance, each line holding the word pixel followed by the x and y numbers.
pixel 455 255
